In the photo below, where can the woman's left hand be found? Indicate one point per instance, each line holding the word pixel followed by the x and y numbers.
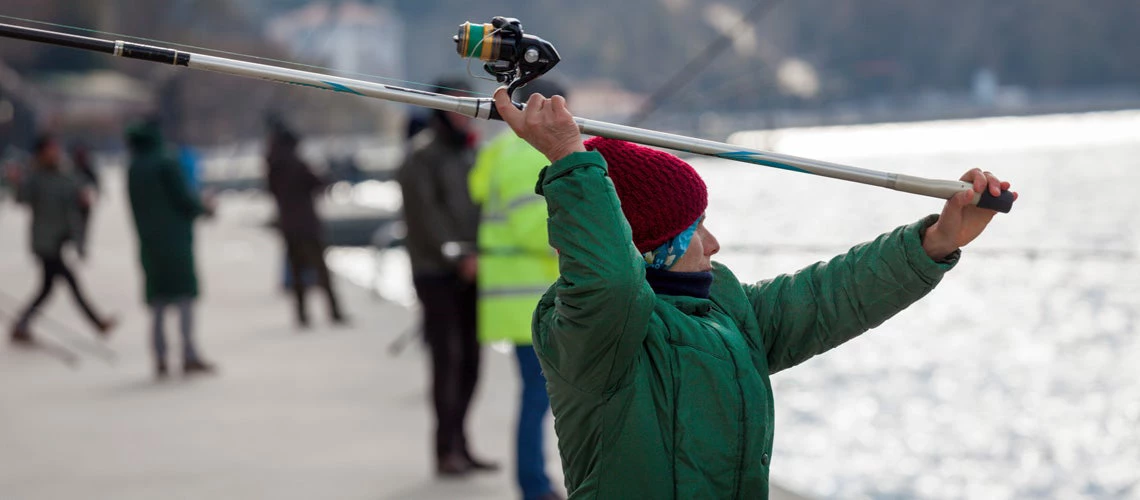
pixel 961 222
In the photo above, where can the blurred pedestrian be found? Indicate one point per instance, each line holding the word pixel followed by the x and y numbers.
pixel 56 197
pixel 516 266
pixel 294 187
pixel 85 172
pixel 164 211
pixel 438 211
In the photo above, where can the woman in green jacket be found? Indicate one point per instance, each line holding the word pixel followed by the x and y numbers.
pixel 657 359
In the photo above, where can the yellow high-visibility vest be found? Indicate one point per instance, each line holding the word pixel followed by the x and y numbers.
pixel 516 262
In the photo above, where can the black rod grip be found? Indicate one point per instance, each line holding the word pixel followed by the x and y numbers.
pixel 1002 203
pixel 56 38
pixel 495 110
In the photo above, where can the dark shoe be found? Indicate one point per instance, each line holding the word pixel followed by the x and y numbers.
pixel 453 465
pixel 161 372
pixel 105 326
pixel 22 337
pixel 551 496
pixel 341 320
pixel 482 465
pixel 197 368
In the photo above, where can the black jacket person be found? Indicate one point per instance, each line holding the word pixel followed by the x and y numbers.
pixel 438 210
pixel 294 187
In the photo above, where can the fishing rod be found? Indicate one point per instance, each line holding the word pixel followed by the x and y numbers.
pixel 514 58
pixel 1025 253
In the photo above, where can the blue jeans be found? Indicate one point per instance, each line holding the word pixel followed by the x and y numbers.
pixel 531 461
pixel 185 327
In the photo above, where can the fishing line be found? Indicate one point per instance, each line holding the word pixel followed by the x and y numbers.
pixel 702 60
pixel 239 54
pixel 476 50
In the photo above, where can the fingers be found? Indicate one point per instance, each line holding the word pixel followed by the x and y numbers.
pixel 535 103
pixel 512 115
pixel 993 183
pixel 985 181
pixel 976 177
pixel 558 104
pixel 963 199
pixel 535 110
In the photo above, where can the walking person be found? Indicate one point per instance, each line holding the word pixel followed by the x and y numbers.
pixel 658 359
pixel 56 198
pixel 516 266
pixel 438 211
pixel 164 210
pixel 294 187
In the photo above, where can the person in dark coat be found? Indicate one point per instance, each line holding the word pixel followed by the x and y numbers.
pixel 164 211
pixel 56 198
pixel 294 186
pixel 438 211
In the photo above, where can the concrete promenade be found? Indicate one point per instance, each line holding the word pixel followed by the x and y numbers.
pixel 326 413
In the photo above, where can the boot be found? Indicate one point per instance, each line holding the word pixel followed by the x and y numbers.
pixel 21 336
pixel 197 367
pixel 452 465
pixel 481 465
pixel 104 327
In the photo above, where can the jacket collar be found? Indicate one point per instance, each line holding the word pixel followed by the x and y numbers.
pixel 665 282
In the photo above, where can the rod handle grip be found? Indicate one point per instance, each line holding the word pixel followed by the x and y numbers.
pixel 495 110
pixel 1002 203
pixel 945 189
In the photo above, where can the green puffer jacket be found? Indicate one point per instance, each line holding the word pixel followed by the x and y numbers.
pixel 662 397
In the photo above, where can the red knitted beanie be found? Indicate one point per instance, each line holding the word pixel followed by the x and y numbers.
pixel 660 194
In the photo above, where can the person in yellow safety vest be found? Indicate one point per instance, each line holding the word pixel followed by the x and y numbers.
pixel 516 266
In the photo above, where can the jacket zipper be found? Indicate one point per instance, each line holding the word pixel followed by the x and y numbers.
pixel 741 434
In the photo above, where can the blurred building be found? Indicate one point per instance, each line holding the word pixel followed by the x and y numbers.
pixel 92 106
pixel 17 121
pixel 349 37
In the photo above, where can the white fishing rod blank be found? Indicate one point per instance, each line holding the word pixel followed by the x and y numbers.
pixel 515 59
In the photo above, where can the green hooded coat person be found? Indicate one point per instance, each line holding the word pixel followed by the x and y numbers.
pixel 164 210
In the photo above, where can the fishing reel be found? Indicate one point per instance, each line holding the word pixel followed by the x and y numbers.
pixel 511 56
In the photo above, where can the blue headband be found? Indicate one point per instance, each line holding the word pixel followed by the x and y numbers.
pixel 664 256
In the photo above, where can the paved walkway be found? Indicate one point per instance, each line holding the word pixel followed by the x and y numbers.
pixel 326 413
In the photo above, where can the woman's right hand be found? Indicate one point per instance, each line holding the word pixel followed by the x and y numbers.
pixel 545 123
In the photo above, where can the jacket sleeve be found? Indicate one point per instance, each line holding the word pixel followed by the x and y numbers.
pixel 602 302
pixel 826 304
pixel 313 181
pixel 174 186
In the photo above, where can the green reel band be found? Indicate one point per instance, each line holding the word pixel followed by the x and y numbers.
pixel 474 40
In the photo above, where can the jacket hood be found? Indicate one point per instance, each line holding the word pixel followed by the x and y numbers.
pixel 144 136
